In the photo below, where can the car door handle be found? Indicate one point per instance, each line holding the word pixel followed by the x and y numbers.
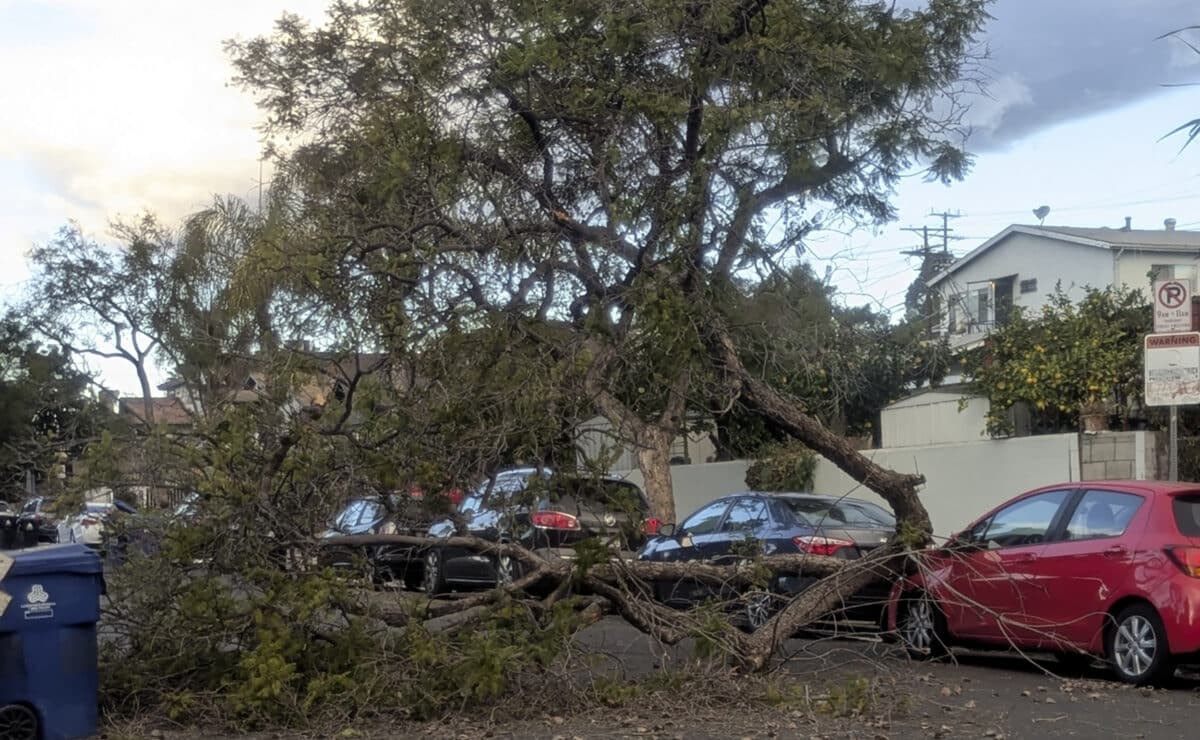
pixel 1024 557
pixel 1115 551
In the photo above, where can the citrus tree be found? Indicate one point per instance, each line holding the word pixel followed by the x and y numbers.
pixel 1069 360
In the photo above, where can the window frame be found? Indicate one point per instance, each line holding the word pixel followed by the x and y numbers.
pixel 740 500
pixel 1077 500
pixel 1053 531
pixel 683 528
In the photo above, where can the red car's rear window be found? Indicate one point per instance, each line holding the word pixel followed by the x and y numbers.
pixel 1187 514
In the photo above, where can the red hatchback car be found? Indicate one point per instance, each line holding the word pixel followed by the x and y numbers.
pixel 1100 568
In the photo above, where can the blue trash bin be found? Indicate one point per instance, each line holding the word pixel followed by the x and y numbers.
pixel 48 675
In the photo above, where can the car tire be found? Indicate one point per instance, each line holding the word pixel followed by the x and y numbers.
pixel 507 569
pixel 757 608
pixel 434 575
pixel 19 722
pixel 922 628
pixel 1136 646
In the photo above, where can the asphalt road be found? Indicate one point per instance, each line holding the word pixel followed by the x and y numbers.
pixel 977 695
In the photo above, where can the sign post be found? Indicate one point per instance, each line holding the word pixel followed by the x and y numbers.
pixel 1173 378
pixel 1172 317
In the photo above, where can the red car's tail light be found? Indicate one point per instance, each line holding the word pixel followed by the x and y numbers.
pixel 554 520
pixel 1187 558
pixel 652 525
pixel 89 522
pixel 817 545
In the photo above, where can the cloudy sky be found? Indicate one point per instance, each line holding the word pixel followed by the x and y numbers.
pixel 114 107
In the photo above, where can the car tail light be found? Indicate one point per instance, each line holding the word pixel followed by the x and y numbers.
pixel 652 525
pixel 455 495
pixel 416 492
pixel 554 520
pixel 817 545
pixel 1187 558
pixel 89 522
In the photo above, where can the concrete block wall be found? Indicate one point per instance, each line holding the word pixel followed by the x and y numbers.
pixel 1120 456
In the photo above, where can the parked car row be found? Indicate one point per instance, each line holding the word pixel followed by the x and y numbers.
pixel 551 513
pixel 1099 570
pixel 38 521
pixel 542 511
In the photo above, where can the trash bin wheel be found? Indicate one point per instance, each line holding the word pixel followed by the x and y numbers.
pixel 18 722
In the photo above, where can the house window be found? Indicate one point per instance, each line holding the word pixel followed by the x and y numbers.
pixel 956 303
pixel 249 385
pixel 1029 286
pixel 979 305
pixel 1174 272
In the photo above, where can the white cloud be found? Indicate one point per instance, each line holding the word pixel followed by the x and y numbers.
pixel 120 106
pixel 1003 94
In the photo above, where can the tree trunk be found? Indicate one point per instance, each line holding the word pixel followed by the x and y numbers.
pixel 147 394
pixel 898 489
pixel 653 451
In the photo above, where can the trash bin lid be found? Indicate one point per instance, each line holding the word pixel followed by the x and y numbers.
pixel 71 558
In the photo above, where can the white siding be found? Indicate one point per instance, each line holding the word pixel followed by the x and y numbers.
pixel 1133 266
pixel 933 418
pixel 1033 257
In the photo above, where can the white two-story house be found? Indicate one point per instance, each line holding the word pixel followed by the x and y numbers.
pixel 1022 265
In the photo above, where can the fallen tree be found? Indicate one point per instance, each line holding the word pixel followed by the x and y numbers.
pixel 505 217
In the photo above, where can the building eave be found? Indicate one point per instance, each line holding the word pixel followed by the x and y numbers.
pixel 1014 229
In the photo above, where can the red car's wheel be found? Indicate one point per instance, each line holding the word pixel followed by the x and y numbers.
pixel 923 627
pixel 1137 646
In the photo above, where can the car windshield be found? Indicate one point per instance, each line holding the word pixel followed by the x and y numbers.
pixel 820 512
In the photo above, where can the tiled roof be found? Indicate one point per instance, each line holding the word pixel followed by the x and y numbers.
pixel 169 411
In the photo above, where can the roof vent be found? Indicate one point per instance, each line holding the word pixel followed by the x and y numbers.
pixel 1128 224
pixel 1170 224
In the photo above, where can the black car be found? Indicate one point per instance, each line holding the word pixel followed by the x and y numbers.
pixel 36 514
pixel 410 513
pixel 549 513
pixel 774 524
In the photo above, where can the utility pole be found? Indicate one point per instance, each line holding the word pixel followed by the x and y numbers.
pixel 933 261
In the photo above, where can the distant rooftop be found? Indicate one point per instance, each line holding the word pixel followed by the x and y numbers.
pixel 1132 238
pixel 1097 237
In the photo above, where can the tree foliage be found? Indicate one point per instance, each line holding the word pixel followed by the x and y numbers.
pixel 500 217
pixel 597 165
pixel 843 363
pixel 45 408
pixel 1071 358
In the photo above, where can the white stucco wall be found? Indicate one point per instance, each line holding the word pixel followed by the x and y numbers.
pixel 933 418
pixel 1034 257
pixel 962 480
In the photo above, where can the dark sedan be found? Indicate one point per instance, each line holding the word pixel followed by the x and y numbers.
pixel 36 514
pixel 775 524
pixel 549 513
pixel 409 513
